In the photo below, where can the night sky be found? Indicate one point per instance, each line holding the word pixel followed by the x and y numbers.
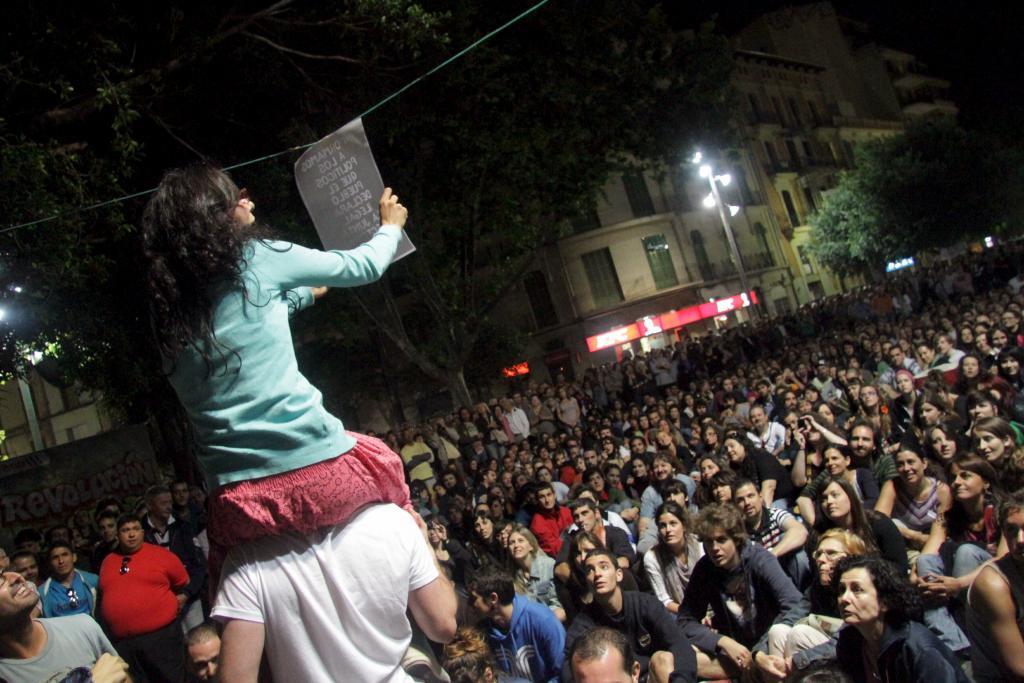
pixel 978 46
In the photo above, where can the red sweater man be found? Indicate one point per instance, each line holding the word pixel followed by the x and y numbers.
pixel 141 585
pixel 550 520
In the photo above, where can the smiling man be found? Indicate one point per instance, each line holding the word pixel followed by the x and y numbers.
pixel 49 649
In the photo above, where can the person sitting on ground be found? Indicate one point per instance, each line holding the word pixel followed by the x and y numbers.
pixel 747 591
pixel 468 659
pixel 884 639
pixel 913 500
pixel 762 468
pixel 662 649
pixel 604 655
pixel 838 465
pixel 675 492
pixel 995 604
pixel 839 507
pixel 550 520
pixel 534 570
pixel 526 638
pixel 775 530
pixel 586 517
pixel 670 563
pixel 813 638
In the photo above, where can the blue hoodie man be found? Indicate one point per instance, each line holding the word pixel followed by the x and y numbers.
pixel 526 637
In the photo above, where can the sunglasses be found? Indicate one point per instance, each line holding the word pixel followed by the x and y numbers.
pixel 72 598
pixel 124 565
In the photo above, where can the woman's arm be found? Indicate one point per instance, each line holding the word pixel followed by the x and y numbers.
pixel 886 499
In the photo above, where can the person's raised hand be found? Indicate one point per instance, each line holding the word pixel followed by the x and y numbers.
pixel 110 669
pixel 391 212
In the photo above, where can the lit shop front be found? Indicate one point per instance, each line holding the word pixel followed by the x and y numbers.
pixel 658 331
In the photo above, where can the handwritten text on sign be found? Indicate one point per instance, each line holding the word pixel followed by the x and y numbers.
pixel 341 187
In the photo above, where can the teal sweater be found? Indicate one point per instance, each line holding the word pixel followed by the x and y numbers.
pixel 254 413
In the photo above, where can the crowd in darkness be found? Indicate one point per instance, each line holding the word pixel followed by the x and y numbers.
pixel 837 493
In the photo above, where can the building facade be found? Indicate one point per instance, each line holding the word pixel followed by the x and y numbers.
pixel 810 85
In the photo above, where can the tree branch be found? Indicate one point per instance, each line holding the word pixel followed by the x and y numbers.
pixel 401 340
pixel 300 53
pixel 60 116
pixel 167 129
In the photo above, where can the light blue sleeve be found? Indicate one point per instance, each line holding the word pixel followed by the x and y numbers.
pixel 281 265
pixel 649 502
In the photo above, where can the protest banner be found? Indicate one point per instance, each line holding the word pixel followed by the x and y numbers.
pixel 47 487
pixel 341 188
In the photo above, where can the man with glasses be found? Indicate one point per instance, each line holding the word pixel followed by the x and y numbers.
pixel 143 587
pixel 68 590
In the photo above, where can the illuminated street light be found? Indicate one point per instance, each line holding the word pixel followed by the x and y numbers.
pixel 715 199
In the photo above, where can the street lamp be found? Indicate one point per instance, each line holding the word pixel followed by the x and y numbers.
pixel 715 199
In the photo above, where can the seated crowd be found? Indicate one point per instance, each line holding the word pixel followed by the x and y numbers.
pixel 837 494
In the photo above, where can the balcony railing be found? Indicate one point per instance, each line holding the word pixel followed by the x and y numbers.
pixel 720 270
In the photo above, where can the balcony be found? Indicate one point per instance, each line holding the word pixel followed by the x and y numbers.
pixel 928 107
pixel 721 270
pixel 779 166
pixel 855 123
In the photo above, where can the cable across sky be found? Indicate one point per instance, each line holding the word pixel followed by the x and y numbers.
pixel 297 148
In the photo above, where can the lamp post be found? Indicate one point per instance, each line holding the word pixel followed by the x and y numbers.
pixel 715 200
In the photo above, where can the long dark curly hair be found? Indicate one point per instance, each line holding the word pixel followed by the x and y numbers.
pixel 194 249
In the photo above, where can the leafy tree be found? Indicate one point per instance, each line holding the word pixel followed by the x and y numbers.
pixel 496 155
pixel 493 155
pixel 932 186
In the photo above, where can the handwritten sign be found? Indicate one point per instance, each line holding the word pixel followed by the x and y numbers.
pixel 341 188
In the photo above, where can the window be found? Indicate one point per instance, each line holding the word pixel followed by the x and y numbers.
pixel 809 196
pixel 773 157
pixel 793 107
pixel 586 221
pixel 794 156
pixel 703 262
pixel 638 194
pixel 740 185
pixel 850 155
pixel 805 260
pixel 604 282
pixel 815 114
pixel 787 199
pixel 540 299
pixel 755 106
pixel 808 149
pixel 778 109
pixel 762 240
pixel 660 261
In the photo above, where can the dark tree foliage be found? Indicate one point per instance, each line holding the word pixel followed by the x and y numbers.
pixel 492 155
pixel 933 186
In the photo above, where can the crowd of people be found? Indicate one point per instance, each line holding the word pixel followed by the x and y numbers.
pixel 833 493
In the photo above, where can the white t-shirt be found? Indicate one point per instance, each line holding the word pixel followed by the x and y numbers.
pixel 333 603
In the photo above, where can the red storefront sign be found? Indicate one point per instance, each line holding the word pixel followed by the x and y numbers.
pixel 516 370
pixel 653 324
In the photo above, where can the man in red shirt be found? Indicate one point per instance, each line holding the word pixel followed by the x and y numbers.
pixel 142 587
pixel 550 520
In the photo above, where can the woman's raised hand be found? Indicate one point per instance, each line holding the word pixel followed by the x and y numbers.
pixel 391 212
